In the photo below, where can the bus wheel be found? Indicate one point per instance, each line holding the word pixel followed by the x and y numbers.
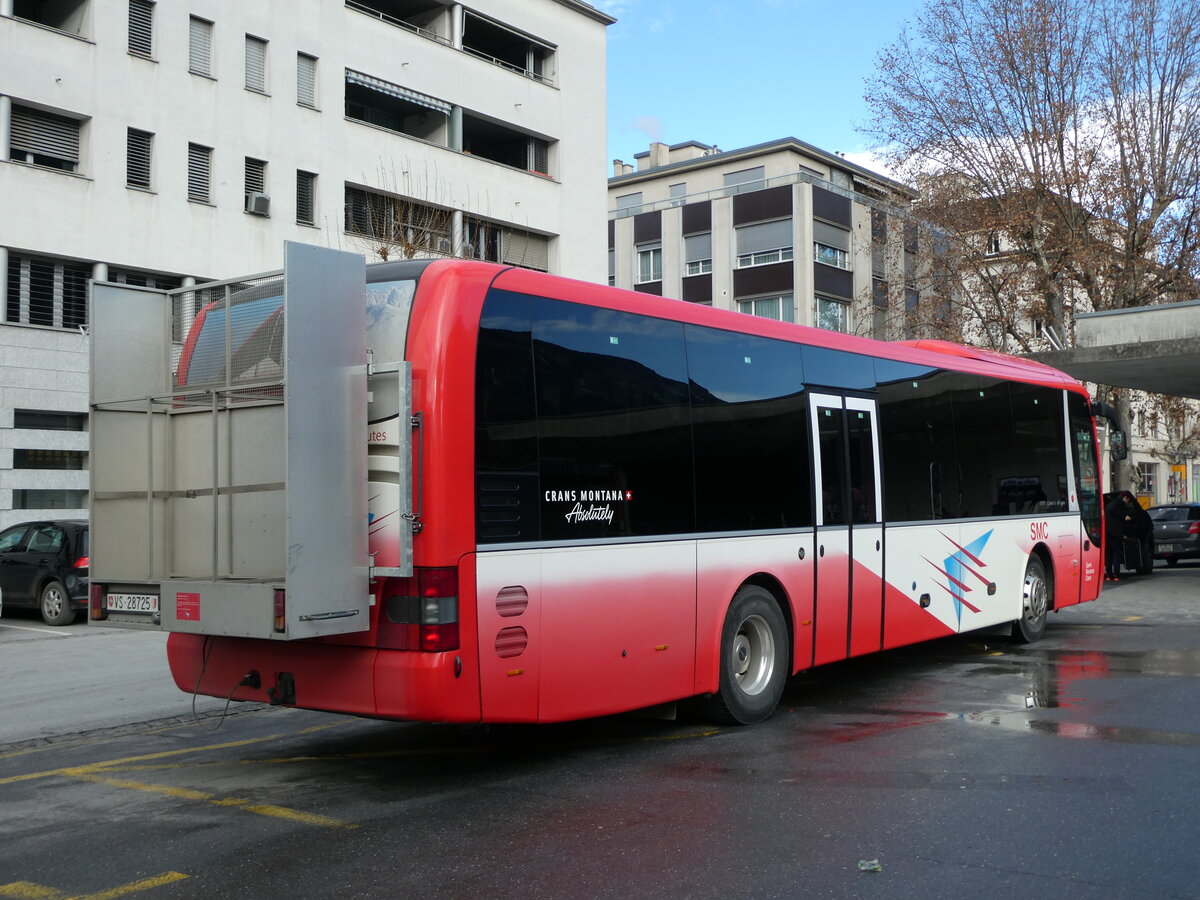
pixel 754 658
pixel 1035 602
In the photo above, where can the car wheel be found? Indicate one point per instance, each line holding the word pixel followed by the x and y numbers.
pixel 56 605
pixel 1035 603
pixel 754 658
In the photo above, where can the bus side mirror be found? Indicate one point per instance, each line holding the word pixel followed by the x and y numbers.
pixel 1116 445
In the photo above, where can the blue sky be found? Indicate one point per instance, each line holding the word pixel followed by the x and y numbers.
pixel 739 72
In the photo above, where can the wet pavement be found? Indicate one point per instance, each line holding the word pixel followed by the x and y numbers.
pixel 969 766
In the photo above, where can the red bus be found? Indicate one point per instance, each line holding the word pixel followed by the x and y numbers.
pixel 621 501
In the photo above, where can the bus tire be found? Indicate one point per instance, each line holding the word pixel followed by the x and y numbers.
pixel 1036 600
pixel 754 659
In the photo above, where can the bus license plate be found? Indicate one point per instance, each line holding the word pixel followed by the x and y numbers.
pixel 141 603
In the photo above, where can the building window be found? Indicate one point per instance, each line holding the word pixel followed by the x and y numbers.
pixel 524 249
pixel 200 46
pixel 629 204
pixel 481 240
pixel 44 139
pixel 697 254
pixel 1148 473
pixel 831 256
pixel 832 314
pixel 67 16
pixel 993 242
pixel 781 308
pixel 306 198
pixel 49 499
pixel 831 245
pixel 649 264
pixel 49 459
pixel 385 104
pixel 397 227
pixel 612 267
pixel 677 192
pixel 199 172
pixel 46 292
pixel 745 180
pixel 256 179
pixel 141 28
pixel 137 158
pixel 764 243
pixel 306 80
pixel 44 420
pixel 256 65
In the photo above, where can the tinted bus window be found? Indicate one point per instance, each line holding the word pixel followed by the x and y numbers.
pixel 1038 443
pixel 917 445
pixel 613 423
pixel 838 369
pixel 750 432
pixel 506 450
pixel 983 428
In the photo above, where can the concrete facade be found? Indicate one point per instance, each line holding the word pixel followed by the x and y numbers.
pixel 134 135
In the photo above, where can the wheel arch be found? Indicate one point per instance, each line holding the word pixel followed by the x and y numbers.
pixel 775 587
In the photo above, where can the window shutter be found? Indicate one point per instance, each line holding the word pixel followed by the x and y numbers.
pixel 200 46
pixel 256 64
pixel 137 162
pixel 141 27
pixel 306 183
pixel 697 247
pixel 539 156
pixel 199 169
pixel 831 236
pixel 256 176
pixel 764 236
pixel 45 134
pixel 531 251
pixel 306 80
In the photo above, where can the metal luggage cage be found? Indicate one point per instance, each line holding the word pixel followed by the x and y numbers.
pixel 228 450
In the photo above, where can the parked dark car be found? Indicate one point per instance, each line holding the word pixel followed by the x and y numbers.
pixel 44 566
pixel 1176 531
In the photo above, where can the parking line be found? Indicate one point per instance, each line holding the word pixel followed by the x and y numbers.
pixel 27 890
pixel 262 809
pixel 59 633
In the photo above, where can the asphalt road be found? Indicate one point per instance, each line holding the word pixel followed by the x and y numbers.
pixel 965 767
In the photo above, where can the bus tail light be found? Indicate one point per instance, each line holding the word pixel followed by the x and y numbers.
pixel 97 610
pixel 421 612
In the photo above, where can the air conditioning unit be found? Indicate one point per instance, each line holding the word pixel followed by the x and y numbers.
pixel 258 204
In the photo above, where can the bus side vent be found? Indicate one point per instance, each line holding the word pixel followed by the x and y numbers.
pixel 511 641
pixel 512 601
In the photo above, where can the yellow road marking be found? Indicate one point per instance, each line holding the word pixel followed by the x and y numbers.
pixel 262 809
pixel 26 890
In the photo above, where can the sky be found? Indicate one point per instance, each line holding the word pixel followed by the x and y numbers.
pixel 733 73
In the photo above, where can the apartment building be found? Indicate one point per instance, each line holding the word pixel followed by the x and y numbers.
pixel 781 229
pixel 167 144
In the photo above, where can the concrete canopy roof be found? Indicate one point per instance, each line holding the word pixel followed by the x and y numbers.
pixel 1148 348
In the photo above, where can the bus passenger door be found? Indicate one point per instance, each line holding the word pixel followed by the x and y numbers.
pixel 849 582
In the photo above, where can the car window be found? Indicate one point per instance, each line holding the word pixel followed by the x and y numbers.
pixel 46 539
pixel 10 538
pixel 1169 513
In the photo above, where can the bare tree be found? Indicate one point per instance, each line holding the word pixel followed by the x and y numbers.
pixel 1068 131
pixel 1058 143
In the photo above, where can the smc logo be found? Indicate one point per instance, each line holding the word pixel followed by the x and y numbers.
pixel 1039 531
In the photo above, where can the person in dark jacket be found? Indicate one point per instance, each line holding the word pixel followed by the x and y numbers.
pixel 1138 529
pixel 1116 517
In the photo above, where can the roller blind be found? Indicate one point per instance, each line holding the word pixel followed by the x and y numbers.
pixel 45 134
